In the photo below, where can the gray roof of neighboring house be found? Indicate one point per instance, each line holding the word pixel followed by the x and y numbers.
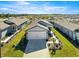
pixel 3 25
pixel 8 22
pixel 43 26
pixel 67 24
pixel 44 22
pixel 18 21
pixel 3 19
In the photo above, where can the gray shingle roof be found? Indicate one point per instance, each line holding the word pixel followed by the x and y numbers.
pixel 67 24
pixel 45 22
pixel 18 21
pixel 37 28
pixel 8 22
pixel 3 25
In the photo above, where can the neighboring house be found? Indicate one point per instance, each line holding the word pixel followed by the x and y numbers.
pixel 3 19
pixel 43 26
pixel 45 23
pixel 68 28
pixel 6 29
pixel 37 32
pixel 19 21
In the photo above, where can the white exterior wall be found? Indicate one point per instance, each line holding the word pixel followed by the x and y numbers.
pixel 7 31
pixel 3 34
pixel 74 35
pixel 59 27
pixel 37 35
pixel 65 31
pixel 77 35
pixel 71 34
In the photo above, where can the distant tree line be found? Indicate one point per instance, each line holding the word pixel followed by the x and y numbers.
pixel 11 15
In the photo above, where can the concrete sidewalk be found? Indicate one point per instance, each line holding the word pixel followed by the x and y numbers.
pixel 44 53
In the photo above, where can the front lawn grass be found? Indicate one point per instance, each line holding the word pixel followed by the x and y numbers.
pixel 68 49
pixel 10 50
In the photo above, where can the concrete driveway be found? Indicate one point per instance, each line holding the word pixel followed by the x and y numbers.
pixel 35 45
pixel 43 53
pixel 36 48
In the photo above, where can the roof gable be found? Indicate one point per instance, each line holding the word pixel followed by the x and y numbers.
pixel 37 28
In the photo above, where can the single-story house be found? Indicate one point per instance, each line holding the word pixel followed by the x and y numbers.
pixel 37 32
pixel 68 28
pixel 6 29
pixel 19 21
pixel 36 37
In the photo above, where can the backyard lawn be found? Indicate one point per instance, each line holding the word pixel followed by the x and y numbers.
pixel 16 46
pixel 68 49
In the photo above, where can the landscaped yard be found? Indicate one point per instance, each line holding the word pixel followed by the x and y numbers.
pixel 16 46
pixel 68 49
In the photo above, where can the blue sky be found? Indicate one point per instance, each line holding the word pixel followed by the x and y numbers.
pixel 39 7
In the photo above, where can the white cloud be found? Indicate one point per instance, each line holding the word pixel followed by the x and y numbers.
pixel 27 7
pixel 39 9
pixel 22 3
pixel 3 8
pixel 33 8
pixel 53 8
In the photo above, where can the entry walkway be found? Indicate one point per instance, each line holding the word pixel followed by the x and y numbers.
pixel 44 53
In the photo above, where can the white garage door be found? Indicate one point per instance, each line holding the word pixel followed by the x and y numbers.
pixel 37 35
